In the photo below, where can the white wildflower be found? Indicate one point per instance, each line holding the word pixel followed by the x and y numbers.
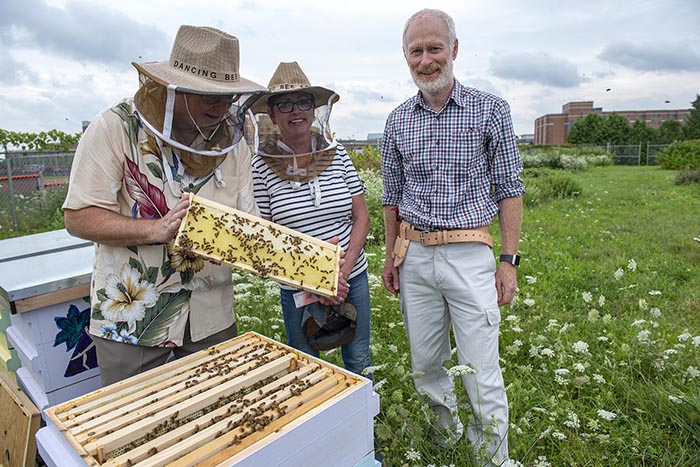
pixel 528 302
pixel 378 386
pixel 619 273
pixel 547 352
pixel 675 400
pixel 691 373
pixel 632 265
pixel 460 370
pixel 598 378
pixel 593 315
pixel 643 305
pixel 601 300
pixel 580 367
pixel 560 380
pixel 696 341
pixel 655 312
pixel 603 339
pixel 558 435
pixel 639 322
pixel 412 455
pixel 572 420
pixel 605 415
pixel 530 279
pixel 643 336
pixel 587 297
pixel 654 292
pixel 542 462
pixel 371 369
pixel 580 347
pixel 561 371
pixel 684 337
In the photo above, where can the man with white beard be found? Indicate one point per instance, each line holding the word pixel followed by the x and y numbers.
pixel 450 163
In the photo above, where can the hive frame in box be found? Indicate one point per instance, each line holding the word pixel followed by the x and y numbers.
pixel 224 235
pixel 289 409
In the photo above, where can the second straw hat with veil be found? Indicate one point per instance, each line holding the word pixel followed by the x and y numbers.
pixel 289 77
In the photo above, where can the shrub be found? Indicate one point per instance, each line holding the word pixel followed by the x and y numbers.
pixel 567 158
pixel 36 212
pixel 542 185
pixel 680 155
pixel 368 158
pixel 373 196
pixel 688 177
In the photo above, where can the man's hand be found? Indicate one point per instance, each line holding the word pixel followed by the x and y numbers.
pixel 165 228
pixel 506 283
pixel 390 276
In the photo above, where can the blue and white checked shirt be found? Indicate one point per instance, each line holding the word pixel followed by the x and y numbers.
pixel 449 169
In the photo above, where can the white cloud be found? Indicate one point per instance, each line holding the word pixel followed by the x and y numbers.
pixel 61 61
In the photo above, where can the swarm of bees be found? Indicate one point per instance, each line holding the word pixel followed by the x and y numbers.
pixel 224 235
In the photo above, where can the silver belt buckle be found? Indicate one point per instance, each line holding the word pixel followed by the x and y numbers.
pixel 422 237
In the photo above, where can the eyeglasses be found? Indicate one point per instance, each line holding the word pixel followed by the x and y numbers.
pixel 209 99
pixel 287 106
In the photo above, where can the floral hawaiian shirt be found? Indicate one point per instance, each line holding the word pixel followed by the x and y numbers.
pixel 144 294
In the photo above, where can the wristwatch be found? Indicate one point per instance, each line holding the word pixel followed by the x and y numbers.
pixel 511 259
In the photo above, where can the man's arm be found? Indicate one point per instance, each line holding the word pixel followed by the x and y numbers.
pixel 510 218
pixel 390 274
pixel 111 228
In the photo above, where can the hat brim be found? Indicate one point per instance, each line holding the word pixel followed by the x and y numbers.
pixel 320 94
pixel 162 73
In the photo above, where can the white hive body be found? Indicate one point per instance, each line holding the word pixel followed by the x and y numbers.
pixel 244 401
pixel 224 235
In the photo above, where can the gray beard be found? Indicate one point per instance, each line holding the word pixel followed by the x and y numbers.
pixel 438 85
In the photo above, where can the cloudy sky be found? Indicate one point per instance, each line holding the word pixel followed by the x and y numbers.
pixel 62 61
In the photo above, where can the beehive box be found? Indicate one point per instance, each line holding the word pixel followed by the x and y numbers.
pixel 224 235
pixel 249 401
pixel 44 284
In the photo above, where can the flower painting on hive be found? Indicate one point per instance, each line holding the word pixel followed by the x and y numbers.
pixel 73 331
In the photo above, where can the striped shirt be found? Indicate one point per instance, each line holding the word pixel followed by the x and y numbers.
pixel 449 169
pixel 294 207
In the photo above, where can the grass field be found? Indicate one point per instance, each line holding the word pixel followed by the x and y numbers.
pixel 600 350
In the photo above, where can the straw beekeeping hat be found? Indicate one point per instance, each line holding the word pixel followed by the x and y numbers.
pixel 289 77
pixel 203 60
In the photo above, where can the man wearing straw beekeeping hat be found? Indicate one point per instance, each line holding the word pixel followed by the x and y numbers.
pixel 181 132
pixel 306 181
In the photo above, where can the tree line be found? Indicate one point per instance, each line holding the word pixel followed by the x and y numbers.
pixel 52 140
pixel 615 129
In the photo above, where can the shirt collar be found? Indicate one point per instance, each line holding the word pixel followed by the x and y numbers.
pixel 456 96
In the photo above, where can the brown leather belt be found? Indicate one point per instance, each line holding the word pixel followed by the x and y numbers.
pixel 442 237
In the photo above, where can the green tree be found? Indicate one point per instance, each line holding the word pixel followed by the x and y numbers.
pixel 42 141
pixel 691 127
pixel 641 133
pixel 670 131
pixel 616 130
pixel 587 130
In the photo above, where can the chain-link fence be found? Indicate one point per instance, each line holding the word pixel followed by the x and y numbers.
pixel 32 186
pixel 652 151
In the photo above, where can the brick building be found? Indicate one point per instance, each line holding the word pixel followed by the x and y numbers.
pixel 554 128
